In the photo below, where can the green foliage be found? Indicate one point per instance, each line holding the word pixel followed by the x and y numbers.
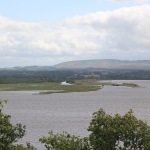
pixel 9 133
pixel 65 142
pixel 118 132
pixel 21 147
pixel 26 76
pixel 82 87
pixel 107 133
pixel 38 76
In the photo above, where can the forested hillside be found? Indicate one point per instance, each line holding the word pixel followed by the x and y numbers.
pixel 15 76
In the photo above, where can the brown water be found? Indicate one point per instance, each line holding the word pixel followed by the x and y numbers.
pixel 72 112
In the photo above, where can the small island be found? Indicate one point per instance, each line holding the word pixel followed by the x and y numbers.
pixel 63 87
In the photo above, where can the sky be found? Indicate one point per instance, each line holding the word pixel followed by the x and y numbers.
pixel 48 32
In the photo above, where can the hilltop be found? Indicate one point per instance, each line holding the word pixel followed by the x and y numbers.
pixel 89 64
pixel 104 69
pixel 106 64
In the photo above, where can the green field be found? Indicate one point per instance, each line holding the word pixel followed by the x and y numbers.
pixel 78 86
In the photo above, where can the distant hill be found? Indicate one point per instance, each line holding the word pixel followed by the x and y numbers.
pixel 104 69
pixel 105 64
pixel 89 64
pixel 30 68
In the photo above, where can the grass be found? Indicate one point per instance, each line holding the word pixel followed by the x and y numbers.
pixel 122 84
pixel 78 86
pixel 130 85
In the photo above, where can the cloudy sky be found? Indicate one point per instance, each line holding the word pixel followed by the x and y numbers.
pixel 47 32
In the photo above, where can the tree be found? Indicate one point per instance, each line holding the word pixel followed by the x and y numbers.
pixel 9 134
pixel 118 132
pixel 106 133
pixel 65 141
pixel 22 147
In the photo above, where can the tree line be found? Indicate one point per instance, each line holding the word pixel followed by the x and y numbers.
pixel 25 76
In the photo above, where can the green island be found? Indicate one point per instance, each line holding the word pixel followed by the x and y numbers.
pixel 132 85
pixel 57 87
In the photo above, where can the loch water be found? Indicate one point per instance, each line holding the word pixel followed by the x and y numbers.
pixel 72 112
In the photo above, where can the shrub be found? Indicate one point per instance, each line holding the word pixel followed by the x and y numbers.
pixel 64 141
pixel 118 132
pixel 106 133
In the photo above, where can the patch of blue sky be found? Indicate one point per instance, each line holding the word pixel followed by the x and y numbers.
pixel 55 10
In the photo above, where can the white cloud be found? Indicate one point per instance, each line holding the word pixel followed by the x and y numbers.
pixel 121 30
pixel 123 33
pixel 131 0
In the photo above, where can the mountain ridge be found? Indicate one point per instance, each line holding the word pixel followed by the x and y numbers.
pixel 86 64
pixel 106 64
